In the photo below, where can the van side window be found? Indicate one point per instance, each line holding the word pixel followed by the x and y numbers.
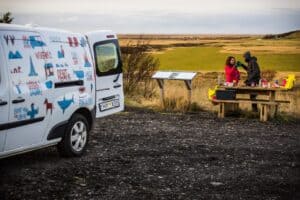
pixel 107 58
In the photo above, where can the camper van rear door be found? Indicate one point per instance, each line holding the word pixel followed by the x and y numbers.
pixel 109 79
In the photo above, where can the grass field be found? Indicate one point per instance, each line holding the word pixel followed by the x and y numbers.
pixel 209 52
pixel 212 59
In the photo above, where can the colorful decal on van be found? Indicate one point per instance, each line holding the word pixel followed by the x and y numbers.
pixel 20 113
pixel 32 69
pixel 16 55
pixel 43 55
pixel 82 42
pixel 49 84
pixel 34 88
pixel 33 111
pixel 61 52
pixel 16 70
pixel 86 61
pixel 65 103
pixel 89 75
pixel 26 41
pixel 75 58
pixel 18 88
pixel 36 43
pixel 48 70
pixel 73 42
pixel 9 39
pixel 49 106
pixel 62 65
pixel 85 101
pixel 63 75
pixel 79 74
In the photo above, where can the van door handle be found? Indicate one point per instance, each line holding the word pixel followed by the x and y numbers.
pixel 2 103
pixel 117 86
pixel 19 100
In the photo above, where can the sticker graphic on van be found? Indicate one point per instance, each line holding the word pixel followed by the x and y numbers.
pixel 32 69
pixel 49 84
pixel 34 88
pixel 26 41
pixel 86 61
pixel 16 55
pixel 61 52
pixel 82 42
pixel 33 111
pixel 36 43
pixel 49 106
pixel 48 70
pixel 79 73
pixel 16 70
pixel 73 42
pixel 65 103
pixel 9 38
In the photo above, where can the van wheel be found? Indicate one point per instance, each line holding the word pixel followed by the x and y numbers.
pixel 75 138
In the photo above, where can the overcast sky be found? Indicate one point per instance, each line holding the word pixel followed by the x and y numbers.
pixel 159 16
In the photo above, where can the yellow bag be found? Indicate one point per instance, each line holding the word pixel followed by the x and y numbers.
pixel 212 93
pixel 290 81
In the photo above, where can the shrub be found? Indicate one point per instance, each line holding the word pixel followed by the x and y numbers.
pixel 138 67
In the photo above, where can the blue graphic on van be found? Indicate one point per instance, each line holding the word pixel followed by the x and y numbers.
pixel 33 112
pixel 36 43
pixel 18 89
pixel 65 103
pixel 49 70
pixel 16 55
pixel 86 61
pixel 79 73
pixel 61 52
pixel 32 70
pixel 82 42
pixel 20 113
pixel 49 84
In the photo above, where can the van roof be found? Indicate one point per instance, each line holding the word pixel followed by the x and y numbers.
pixel 15 27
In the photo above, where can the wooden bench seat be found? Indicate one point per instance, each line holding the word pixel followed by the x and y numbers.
pixel 264 111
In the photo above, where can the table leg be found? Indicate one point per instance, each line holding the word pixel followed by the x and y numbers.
pixel 273 108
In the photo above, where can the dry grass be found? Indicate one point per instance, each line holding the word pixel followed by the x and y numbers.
pixel 176 95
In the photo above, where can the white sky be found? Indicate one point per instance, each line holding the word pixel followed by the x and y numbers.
pixel 159 16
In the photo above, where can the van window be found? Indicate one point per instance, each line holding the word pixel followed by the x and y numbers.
pixel 107 58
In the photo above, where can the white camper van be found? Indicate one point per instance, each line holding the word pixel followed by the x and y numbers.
pixel 53 83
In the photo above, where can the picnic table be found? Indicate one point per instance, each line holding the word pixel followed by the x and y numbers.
pixel 268 106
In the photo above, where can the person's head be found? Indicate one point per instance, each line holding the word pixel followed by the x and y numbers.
pixel 247 56
pixel 230 61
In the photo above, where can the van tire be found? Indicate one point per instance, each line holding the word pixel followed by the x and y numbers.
pixel 75 138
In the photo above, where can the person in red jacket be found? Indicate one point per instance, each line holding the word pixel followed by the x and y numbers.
pixel 231 73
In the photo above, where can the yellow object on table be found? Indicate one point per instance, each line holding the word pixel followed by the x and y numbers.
pixel 290 81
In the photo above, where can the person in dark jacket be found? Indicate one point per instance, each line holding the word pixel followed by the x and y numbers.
pixel 253 74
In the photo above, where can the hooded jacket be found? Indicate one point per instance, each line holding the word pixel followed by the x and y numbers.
pixel 253 71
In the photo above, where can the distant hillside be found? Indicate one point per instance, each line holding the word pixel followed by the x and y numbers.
pixel 288 35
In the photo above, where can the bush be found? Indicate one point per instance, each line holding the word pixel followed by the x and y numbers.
pixel 138 67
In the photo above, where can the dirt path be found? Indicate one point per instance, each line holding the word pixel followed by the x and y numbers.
pixel 145 155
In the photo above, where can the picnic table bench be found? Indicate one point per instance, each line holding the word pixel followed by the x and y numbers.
pixel 268 107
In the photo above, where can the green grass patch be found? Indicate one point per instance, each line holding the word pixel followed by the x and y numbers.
pixel 211 59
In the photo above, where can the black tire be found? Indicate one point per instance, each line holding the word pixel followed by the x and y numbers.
pixel 67 147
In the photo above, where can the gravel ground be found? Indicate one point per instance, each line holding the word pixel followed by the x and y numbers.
pixel 140 154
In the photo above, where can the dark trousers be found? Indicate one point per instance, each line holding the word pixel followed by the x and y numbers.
pixel 254 105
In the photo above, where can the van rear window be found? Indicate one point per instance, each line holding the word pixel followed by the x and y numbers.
pixel 107 58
